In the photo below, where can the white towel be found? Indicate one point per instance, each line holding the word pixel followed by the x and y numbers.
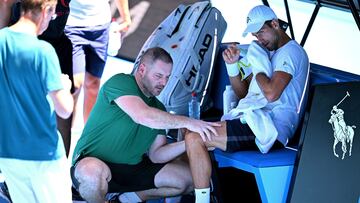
pixel 251 107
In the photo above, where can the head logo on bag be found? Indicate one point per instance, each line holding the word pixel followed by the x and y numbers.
pixel 194 71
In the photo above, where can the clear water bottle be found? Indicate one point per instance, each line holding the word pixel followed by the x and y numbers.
pixel 230 99
pixel 114 38
pixel 194 107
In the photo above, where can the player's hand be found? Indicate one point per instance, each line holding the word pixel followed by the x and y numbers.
pixel 231 54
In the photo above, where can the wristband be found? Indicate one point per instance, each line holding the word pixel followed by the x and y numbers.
pixel 232 69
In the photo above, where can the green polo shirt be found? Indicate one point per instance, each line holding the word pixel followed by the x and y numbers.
pixel 110 134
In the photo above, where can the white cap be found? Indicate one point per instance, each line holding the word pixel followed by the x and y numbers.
pixel 257 17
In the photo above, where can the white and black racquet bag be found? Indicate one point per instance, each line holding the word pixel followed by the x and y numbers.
pixel 191 34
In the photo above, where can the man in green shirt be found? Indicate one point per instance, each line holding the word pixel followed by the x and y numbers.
pixel 123 147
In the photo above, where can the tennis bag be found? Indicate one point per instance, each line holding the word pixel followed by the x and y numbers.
pixel 191 34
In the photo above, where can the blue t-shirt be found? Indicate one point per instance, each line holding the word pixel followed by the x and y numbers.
pixel 29 70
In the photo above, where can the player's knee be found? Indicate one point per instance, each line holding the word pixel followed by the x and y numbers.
pixel 193 139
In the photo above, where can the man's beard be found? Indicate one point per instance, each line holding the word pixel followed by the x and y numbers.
pixel 151 90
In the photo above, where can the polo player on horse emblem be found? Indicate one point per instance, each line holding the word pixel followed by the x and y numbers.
pixel 342 132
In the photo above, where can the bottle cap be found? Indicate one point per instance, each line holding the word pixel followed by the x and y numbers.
pixel 193 94
pixel 228 87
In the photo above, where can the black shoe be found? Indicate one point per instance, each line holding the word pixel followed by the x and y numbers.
pixel 4 193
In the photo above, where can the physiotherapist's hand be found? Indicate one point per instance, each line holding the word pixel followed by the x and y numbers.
pixel 205 129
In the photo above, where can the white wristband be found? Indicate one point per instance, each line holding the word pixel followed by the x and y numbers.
pixel 232 69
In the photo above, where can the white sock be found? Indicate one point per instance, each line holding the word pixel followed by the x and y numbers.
pixel 129 197
pixel 202 195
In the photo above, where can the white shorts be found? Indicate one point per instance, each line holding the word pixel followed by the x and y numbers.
pixel 37 181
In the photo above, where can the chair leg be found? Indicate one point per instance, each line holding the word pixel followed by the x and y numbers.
pixel 273 183
pixel 216 190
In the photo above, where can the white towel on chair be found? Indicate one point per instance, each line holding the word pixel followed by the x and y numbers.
pixel 252 107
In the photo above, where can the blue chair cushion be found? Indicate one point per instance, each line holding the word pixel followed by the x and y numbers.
pixel 279 157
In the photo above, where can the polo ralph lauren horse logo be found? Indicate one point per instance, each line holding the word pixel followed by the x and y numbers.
pixel 342 133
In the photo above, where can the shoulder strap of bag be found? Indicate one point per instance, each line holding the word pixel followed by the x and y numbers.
pixel 178 15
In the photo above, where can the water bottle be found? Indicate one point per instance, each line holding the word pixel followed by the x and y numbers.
pixel 114 38
pixel 230 100
pixel 194 107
